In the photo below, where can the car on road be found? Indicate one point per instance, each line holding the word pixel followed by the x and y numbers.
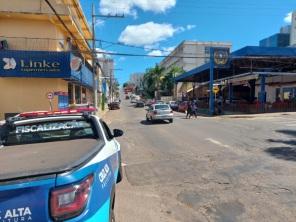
pixel 159 102
pixel 133 100
pixel 173 105
pixel 114 105
pixel 148 102
pixel 139 103
pixel 159 112
pixel 182 106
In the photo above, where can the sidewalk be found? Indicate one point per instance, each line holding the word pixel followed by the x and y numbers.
pixel 229 114
pixel 101 112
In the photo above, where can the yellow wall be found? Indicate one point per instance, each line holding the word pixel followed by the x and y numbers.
pixel 47 36
pixel 28 94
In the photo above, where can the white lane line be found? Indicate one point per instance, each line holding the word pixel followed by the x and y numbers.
pixel 232 149
pixel 217 143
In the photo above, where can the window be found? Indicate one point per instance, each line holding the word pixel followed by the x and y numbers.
pixel 289 93
pixel 207 49
pixel 107 131
pixel 47 132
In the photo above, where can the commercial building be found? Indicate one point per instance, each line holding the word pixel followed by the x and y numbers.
pixel 45 58
pixel 293 30
pixel 187 56
pixel 136 80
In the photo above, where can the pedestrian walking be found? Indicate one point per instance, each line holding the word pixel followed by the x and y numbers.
pixel 188 110
pixel 193 109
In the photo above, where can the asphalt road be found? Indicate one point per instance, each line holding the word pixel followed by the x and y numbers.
pixel 205 169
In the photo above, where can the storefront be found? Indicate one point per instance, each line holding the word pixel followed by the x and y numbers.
pixel 28 77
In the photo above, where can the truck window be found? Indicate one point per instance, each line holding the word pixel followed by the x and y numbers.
pixel 47 132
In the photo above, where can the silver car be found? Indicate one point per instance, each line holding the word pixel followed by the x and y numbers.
pixel 159 112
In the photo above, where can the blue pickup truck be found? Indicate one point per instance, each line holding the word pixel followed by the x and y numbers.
pixel 58 166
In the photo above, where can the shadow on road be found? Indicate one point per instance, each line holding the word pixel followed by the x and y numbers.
pixel 288 132
pixel 285 153
pixel 145 122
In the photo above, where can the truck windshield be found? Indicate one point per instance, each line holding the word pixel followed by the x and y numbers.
pixel 46 132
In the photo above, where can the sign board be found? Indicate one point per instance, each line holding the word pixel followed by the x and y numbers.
pixel 49 95
pixel 215 89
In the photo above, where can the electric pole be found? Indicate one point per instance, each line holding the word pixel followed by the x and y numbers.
pixel 95 85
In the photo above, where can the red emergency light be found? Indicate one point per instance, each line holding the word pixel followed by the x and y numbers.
pixel 70 111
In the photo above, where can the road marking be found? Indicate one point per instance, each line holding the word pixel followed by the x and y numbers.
pixel 217 143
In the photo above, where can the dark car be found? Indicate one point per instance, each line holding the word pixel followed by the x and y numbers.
pixel 139 103
pixel 127 97
pixel 114 105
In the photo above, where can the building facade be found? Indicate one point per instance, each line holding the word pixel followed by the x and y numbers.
pixel 44 51
pixel 187 56
pixel 276 40
pixel 293 30
pixel 136 79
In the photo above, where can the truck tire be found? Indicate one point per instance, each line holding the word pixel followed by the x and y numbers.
pixel 171 120
pixel 120 175
pixel 112 206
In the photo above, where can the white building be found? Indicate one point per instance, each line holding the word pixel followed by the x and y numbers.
pixel 137 79
pixel 189 55
pixel 293 30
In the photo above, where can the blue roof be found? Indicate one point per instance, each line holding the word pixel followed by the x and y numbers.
pixel 258 52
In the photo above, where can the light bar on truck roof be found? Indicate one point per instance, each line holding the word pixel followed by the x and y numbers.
pixel 44 113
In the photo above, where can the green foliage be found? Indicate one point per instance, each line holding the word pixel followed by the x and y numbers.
pixel 154 79
pixel 125 84
pixel 72 106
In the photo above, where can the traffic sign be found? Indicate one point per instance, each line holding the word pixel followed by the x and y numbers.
pixel 215 89
pixel 49 95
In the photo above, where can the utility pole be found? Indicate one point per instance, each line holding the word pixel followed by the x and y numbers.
pixel 95 85
pixel 111 83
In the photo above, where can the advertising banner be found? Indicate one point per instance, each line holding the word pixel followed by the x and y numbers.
pixel 37 64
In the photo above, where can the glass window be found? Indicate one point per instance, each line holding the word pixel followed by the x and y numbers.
pixel 289 93
pixel 47 132
pixel 77 95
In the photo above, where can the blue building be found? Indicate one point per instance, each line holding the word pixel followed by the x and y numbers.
pixel 277 40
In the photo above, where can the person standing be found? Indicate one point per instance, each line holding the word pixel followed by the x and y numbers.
pixel 188 109
pixel 193 109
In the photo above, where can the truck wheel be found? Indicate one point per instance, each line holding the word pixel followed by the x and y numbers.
pixel 171 120
pixel 112 219
pixel 112 206
pixel 120 175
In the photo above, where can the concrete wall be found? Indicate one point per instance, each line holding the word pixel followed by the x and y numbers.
pixel 28 94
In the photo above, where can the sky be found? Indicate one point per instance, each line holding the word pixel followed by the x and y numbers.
pixel 140 33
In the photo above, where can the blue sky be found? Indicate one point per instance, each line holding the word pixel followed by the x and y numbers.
pixel 156 27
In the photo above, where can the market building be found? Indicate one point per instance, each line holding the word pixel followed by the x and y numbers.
pixel 45 58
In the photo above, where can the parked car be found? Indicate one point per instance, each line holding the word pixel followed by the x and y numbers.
pixel 127 97
pixel 159 102
pixel 148 102
pixel 159 112
pixel 236 100
pixel 68 161
pixel 139 103
pixel 114 105
pixel 182 106
pixel 173 105
pixel 133 100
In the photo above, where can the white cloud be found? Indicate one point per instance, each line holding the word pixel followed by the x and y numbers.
pixel 128 7
pixel 288 17
pixel 168 50
pixel 147 34
pixel 155 53
pixel 190 27
pixel 121 59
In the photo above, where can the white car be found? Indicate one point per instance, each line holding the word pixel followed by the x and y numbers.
pixel 159 112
